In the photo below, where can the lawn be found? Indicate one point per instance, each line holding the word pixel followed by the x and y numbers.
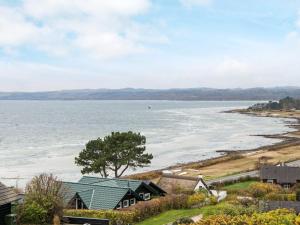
pixel 171 216
pixel 239 186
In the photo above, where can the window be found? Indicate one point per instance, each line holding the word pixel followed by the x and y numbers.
pixel 270 181
pixel 147 196
pixel 132 201
pixel 286 186
pixel 141 195
pixel 126 203
pixel 119 206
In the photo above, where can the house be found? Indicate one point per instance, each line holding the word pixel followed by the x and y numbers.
pixel 108 193
pixel 93 196
pixel 171 182
pixel 286 176
pixel 145 189
pixel 7 197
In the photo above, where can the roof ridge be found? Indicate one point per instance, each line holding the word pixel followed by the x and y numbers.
pixel 93 185
pixel 114 178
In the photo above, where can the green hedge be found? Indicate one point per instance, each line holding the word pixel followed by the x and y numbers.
pixel 137 213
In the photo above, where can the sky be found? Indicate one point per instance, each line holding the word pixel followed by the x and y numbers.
pixel 81 44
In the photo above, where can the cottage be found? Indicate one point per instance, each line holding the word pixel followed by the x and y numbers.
pixel 171 183
pixel 7 197
pixel 108 193
pixel 286 176
pixel 145 189
pixel 93 196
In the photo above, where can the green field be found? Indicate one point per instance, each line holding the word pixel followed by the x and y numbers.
pixel 171 216
pixel 238 186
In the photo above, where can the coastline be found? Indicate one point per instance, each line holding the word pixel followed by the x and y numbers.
pixel 238 161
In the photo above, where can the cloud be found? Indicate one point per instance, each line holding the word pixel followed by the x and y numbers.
pixel 191 3
pixel 298 20
pixel 14 29
pixel 103 29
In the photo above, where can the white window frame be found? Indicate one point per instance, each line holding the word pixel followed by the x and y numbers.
pixel 119 206
pixel 270 181
pixel 147 196
pixel 286 186
pixel 125 203
pixel 132 201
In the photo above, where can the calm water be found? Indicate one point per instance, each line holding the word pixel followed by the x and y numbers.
pixel 45 136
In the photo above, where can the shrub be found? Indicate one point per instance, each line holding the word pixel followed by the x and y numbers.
pixel 184 220
pixel 115 217
pixel 136 213
pixel 213 200
pixel 280 216
pixel 44 194
pixel 232 209
pixel 280 197
pixel 155 206
pixel 32 213
pixel 259 190
pixel 196 199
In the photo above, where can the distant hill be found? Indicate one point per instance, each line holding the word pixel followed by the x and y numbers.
pixel 191 94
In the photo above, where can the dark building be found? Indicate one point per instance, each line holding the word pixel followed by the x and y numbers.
pixel 109 193
pixel 7 197
pixel 286 176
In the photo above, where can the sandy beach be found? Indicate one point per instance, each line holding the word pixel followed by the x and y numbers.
pixel 233 162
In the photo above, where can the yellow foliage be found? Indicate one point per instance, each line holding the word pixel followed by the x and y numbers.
pixel 196 199
pixel 280 216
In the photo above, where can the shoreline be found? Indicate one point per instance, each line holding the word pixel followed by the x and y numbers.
pixel 288 141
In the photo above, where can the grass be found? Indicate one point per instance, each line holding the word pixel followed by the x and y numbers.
pixel 171 216
pixel 239 186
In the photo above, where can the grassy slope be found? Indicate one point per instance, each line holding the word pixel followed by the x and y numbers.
pixel 238 186
pixel 171 216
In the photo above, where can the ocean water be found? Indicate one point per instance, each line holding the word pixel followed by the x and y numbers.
pixel 45 136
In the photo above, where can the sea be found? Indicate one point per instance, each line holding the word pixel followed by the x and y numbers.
pixel 45 136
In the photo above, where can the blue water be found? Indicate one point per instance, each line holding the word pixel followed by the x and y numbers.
pixel 45 136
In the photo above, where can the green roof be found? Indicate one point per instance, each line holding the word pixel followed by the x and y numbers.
pixel 96 196
pixel 113 182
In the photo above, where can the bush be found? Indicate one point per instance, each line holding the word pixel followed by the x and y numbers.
pixel 213 200
pixel 115 217
pixel 260 190
pixel 32 213
pixel 136 213
pixel 196 199
pixel 43 194
pixel 280 216
pixel 184 220
pixel 232 209
pixel 280 197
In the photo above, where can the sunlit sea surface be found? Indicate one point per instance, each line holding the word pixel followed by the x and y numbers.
pixel 45 136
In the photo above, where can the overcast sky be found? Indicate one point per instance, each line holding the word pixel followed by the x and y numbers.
pixel 73 44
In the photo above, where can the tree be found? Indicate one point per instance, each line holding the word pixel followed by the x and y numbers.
pixel 116 152
pixel 44 199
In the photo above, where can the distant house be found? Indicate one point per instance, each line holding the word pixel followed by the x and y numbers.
pixel 106 193
pixel 171 183
pixel 7 197
pixel 286 176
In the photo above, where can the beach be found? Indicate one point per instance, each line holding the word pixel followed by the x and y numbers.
pixel 238 161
